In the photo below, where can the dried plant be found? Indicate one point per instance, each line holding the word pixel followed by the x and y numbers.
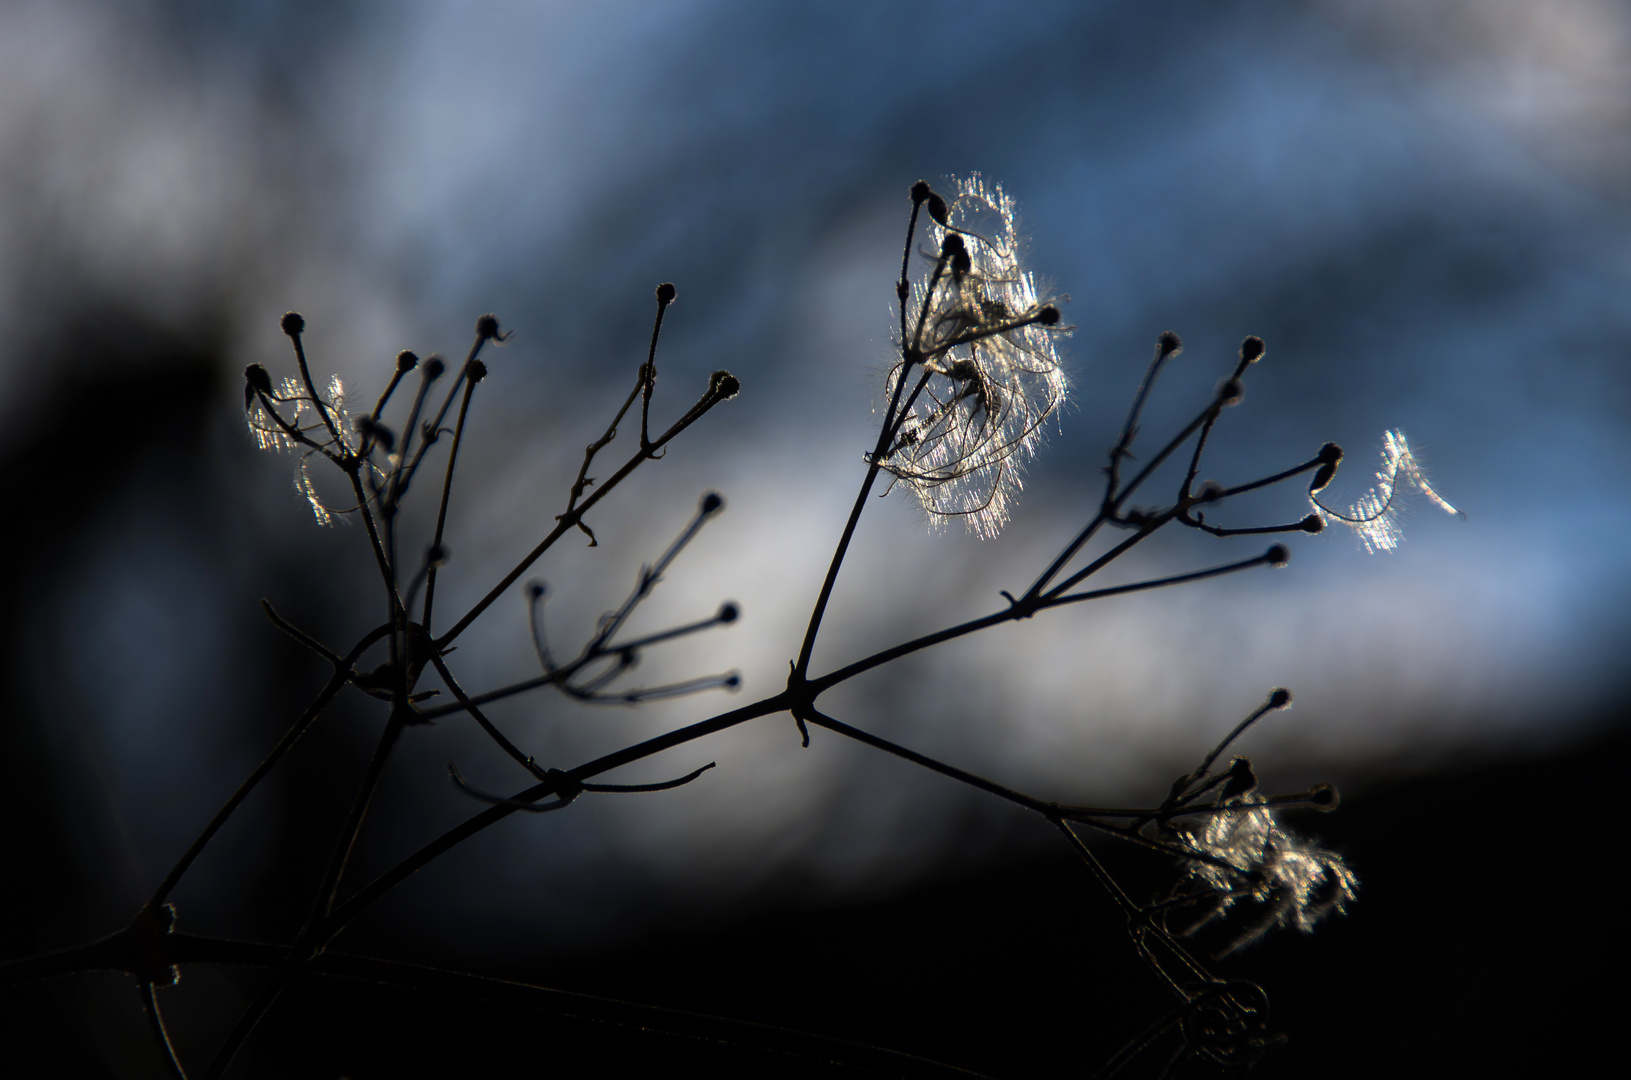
pixel 977 381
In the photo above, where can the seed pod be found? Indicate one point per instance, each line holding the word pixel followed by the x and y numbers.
pixel 937 208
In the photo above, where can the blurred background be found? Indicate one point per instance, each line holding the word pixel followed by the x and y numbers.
pixel 1421 206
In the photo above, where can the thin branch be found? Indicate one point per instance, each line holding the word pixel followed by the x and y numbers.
pixel 303 638
pixel 447 485
pixel 335 684
pixel 150 1005
pixel 469 706
pixel 722 386
pixel 405 869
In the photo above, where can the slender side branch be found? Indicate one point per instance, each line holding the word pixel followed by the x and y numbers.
pixel 722 386
pixel 161 1037
pixel 476 371
pixel 335 684
pixel 405 869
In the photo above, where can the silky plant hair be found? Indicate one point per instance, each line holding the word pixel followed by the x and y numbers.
pixel 989 345
pixel 977 381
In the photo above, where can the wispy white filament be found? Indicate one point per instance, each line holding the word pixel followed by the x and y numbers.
pixel 980 416
pixel 1375 515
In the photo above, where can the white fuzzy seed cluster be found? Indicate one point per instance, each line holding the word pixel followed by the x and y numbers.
pixel 994 374
pixel 1289 880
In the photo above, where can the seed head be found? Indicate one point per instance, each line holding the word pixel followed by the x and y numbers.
pixel 986 344
pixel 1286 879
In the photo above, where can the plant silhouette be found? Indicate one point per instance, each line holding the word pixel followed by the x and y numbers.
pixel 975 386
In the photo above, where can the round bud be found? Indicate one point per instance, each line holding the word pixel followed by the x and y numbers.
pixel 292 323
pixel 728 612
pixel 536 590
pixel 1324 476
pixel 1313 523
pixel 1251 350
pixel 1278 555
pixel 1048 316
pixel 406 362
pixel 666 293
pixel 1280 698
pixel 1231 392
pixel 937 208
pixel 487 327
pixel 733 681
pixel 724 385
pixel 1324 796
pixel 961 264
pixel 437 555
pixel 1169 343
pixel 1330 453
pixel 952 245
pixel 921 190
pixel 434 367
pixel 258 380
pixel 1242 780
pixel 1209 490
pixel 476 370
pixel 712 503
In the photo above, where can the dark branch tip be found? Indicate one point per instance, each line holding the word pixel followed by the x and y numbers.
pixel 921 191
pixel 536 590
pixel 258 379
pixel 728 612
pixel 1280 698
pixel 712 503
pixel 1251 350
pixel 1278 555
pixel 434 367
pixel 938 209
pixel 406 361
pixel 1169 344
pixel 1313 523
pixel 292 323
pixel 1242 779
pixel 487 328
pixel 1324 796
pixel 724 385
pixel 476 370
pixel 1048 316
pixel 1231 392
pixel 666 293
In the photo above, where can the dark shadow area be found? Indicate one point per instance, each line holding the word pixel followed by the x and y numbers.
pixel 1482 920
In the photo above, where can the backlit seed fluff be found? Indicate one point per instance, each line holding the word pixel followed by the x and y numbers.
pixel 987 344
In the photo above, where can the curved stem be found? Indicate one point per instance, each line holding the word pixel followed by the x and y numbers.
pixel 150 1005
